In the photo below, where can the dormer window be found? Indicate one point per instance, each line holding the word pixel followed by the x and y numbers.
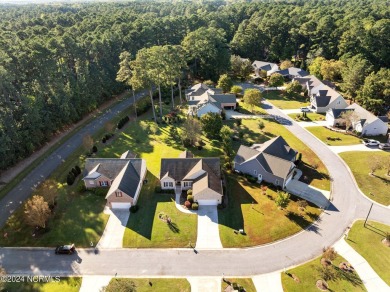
pixel 187 184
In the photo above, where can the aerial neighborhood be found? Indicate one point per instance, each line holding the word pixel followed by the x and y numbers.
pixel 194 146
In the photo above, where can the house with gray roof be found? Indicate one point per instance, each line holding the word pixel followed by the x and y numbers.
pixel 293 72
pixel 272 161
pixel 202 175
pixel 123 177
pixel 322 97
pixel 334 117
pixel 259 66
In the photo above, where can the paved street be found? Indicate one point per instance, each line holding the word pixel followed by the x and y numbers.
pixel 347 204
pixel 23 190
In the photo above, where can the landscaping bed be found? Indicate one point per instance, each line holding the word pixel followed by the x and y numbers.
pixel 308 277
pixel 146 285
pixel 375 186
pixel 333 138
pixel 368 242
pixel 258 215
pixel 310 117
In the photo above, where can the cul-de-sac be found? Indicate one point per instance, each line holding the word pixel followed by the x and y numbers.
pixel 196 146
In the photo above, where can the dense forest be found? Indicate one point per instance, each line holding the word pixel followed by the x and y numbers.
pixel 58 62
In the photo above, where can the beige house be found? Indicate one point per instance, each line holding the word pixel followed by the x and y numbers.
pixel 123 177
pixel 202 175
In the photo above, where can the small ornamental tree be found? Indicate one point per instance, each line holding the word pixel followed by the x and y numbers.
pixel 252 97
pixel 236 89
pixel 276 80
pixel 286 64
pixel 70 179
pixel 225 83
pixel 211 125
pixel 261 125
pixel 282 200
pixel 36 212
pixel 48 190
pixel 293 88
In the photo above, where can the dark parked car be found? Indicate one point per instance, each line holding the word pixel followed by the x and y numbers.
pixel 384 146
pixel 65 249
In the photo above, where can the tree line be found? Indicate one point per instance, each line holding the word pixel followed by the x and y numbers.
pixel 60 62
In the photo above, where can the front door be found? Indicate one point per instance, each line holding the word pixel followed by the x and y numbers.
pixel 259 177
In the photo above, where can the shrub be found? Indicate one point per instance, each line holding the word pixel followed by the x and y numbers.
pixel 70 179
pixel 195 206
pixel 78 169
pixel 157 189
pixel 104 140
pixel 329 253
pixel 134 209
pixel 94 149
pixel 251 179
pixel 200 147
pixel 238 122
pixel 75 172
pixel 302 204
pixel 190 198
pixel 189 192
pixel 187 204
pixel 81 187
pixel 327 273
pixel 223 115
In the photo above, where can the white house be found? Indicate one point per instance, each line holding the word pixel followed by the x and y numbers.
pixel 259 66
pixel 368 124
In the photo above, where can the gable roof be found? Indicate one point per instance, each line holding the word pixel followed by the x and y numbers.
pixel 197 89
pixel 364 115
pixel 195 170
pixel 275 165
pixel 222 98
pixel 294 71
pixel 277 147
pixel 261 65
pixel 337 112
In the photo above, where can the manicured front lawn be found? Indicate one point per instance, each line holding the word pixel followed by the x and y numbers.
pixel 146 285
pixel 367 241
pixel 310 117
pixel 336 138
pixel 258 215
pixel 308 275
pixel 376 186
pixel 77 219
pixel 71 284
pixel 312 167
pixel 145 229
pixel 246 283
pixel 281 100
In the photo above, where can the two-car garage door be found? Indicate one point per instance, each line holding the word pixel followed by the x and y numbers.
pixel 207 202
pixel 120 205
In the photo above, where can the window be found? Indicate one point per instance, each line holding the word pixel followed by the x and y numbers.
pixel 91 182
pixel 187 184
pixel 255 171
pixel 118 194
pixel 277 182
pixel 104 183
pixel 168 184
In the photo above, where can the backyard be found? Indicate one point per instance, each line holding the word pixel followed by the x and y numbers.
pixel 283 101
pixel 145 285
pixel 333 138
pixel 375 186
pixel 258 215
pixel 367 241
pixel 307 275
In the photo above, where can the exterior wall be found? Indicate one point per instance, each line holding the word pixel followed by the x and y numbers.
pixel 251 165
pixel 330 119
pixel 208 109
pixel 338 103
pixel 374 129
pixel 124 199
pixel 97 182
pixel 167 179
pixel 218 198
pixel 289 177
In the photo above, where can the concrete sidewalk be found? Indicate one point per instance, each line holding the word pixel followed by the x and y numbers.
pixel 208 232
pixel 313 124
pixel 370 278
pixel 113 233
pixel 204 284
pixel 94 283
pixel 357 147
pixel 268 282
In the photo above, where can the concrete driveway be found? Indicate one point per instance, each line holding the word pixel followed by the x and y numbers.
pixel 309 193
pixel 208 232
pixel 357 147
pixel 113 233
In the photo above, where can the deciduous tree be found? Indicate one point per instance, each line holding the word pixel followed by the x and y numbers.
pixel 36 212
pixel 286 64
pixel 252 97
pixel 192 130
pixel 276 80
pixel 225 83
pixel 211 125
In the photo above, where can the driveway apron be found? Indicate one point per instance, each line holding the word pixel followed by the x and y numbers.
pixel 208 233
pixel 113 233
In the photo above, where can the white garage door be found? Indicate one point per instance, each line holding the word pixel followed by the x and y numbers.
pixel 207 202
pixel 120 205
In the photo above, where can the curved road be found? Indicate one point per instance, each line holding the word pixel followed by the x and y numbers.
pixel 348 204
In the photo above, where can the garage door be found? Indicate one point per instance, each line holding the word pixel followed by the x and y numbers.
pixel 207 202
pixel 120 205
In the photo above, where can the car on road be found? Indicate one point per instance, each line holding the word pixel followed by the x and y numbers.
pixel 304 109
pixel 65 249
pixel 384 146
pixel 371 142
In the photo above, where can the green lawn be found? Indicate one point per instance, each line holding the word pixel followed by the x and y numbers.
pixel 376 186
pixel 258 215
pixel 336 138
pixel 71 284
pixel 367 241
pixel 247 109
pixel 308 275
pixel 310 117
pixel 146 285
pixel 281 100
pixel 246 283
pixel 312 166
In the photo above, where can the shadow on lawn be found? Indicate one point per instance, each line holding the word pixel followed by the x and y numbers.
pixel 302 222
pixel 310 173
pixel 376 230
pixel 232 215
